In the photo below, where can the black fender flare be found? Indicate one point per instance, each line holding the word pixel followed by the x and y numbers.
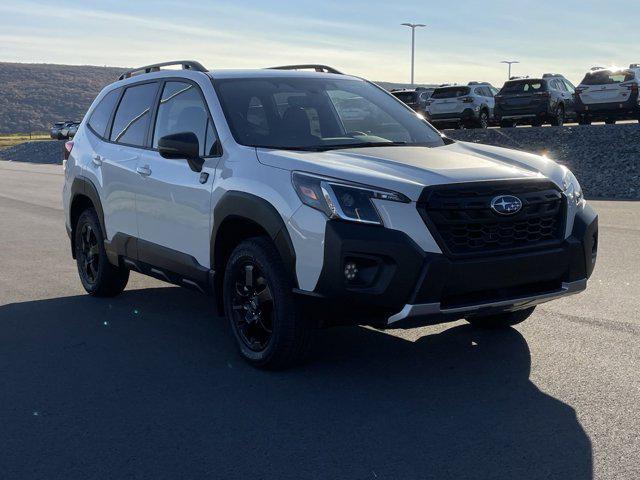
pixel 83 186
pixel 245 206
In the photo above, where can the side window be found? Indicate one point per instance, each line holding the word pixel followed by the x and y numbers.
pixel 131 122
pixel 102 113
pixel 182 109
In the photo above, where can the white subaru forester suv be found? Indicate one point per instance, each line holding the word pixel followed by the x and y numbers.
pixel 255 187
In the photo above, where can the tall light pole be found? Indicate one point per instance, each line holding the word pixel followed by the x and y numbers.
pixel 413 27
pixel 510 62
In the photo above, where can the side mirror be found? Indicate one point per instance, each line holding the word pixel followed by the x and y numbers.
pixel 183 145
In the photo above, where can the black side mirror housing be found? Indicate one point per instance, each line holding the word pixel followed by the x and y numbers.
pixel 178 146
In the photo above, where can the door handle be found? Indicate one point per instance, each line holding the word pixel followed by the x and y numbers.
pixel 97 160
pixel 144 171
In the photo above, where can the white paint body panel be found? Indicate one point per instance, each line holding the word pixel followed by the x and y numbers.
pixel 171 208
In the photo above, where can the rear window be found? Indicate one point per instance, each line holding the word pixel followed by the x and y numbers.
pixel 523 86
pixel 406 97
pixel 607 77
pixel 450 92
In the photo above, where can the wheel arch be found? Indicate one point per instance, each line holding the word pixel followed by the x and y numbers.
pixel 83 194
pixel 238 216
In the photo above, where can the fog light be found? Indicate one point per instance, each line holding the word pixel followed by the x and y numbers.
pixel 350 271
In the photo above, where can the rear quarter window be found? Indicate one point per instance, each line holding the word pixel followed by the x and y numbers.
pixel 102 113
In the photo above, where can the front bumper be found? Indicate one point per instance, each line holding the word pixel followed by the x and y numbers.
pixel 404 287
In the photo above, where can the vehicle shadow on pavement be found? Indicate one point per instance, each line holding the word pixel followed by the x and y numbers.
pixel 148 385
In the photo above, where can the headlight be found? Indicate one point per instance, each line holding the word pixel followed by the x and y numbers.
pixel 572 189
pixel 340 199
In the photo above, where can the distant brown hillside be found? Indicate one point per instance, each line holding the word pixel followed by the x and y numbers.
pixel 33 96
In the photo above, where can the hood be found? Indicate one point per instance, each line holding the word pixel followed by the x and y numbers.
pixel 409 169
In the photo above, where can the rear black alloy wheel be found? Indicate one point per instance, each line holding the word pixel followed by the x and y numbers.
pixel 89 254
pixel 261 308
pixel 483 121
pixel 558 121
pixel 98 276
pixel 252 306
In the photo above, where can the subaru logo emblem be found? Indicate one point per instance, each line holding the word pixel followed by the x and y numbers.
pixel 506 205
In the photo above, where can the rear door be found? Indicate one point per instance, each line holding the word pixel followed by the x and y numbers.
pixel 605 86
pixel 115 156
pixel 173 201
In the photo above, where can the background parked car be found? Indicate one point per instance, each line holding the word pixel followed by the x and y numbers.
pixel 55 130
pixel 534 101
pixel 414 98
pixel 609 95
pixel 469 105
pixel 64 130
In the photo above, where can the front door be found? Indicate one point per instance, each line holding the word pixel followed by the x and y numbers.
pixel 174 202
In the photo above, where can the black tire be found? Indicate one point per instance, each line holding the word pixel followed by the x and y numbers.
pixel 261 308
pixel 610 121
pixel 99 278
pixel 536 123
pixel 483 119
pixel 584 121
pixel 507 124
pixel 558 118
pixel 501 320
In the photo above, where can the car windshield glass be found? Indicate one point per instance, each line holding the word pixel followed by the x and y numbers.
pixel 607 77
pixel 450 92
pixel 523 86
pixel 302 113
pixel 406 97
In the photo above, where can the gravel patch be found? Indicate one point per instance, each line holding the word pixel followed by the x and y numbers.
pixel 604 158
pixel 47 151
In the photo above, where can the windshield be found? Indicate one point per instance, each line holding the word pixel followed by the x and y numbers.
pixel 406 97
pixel 523 86
pixel 318 114
pixel 607 77
pixel 450 92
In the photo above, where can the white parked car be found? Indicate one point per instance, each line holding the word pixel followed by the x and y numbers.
pixel 609 95
pixel 247 185
pixel 462 105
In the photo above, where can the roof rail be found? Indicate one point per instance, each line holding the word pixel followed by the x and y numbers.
pixel 551 75
pixel 186 65
pixel 311 66
pixel 593 69
pixel 478 83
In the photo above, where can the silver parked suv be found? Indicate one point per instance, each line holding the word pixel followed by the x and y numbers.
pixel 470 105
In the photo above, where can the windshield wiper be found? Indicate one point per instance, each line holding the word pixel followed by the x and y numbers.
pixel 364 145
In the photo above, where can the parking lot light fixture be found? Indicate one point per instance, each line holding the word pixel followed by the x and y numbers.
pixel 509 62
pixel 413 27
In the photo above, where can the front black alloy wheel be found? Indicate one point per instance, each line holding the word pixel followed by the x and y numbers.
pixel 252 305
pixel 260 306
pixel 483 120
pixel 501 320
pixel 99 278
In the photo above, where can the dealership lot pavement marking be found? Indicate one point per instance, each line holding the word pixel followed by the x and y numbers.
pixel 148 385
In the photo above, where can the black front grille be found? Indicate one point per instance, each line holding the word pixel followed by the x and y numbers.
pixel 462 221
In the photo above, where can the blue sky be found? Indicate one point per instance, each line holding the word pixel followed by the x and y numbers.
pixel 464 40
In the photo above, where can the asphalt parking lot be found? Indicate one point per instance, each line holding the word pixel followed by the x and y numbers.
pixel 148 385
